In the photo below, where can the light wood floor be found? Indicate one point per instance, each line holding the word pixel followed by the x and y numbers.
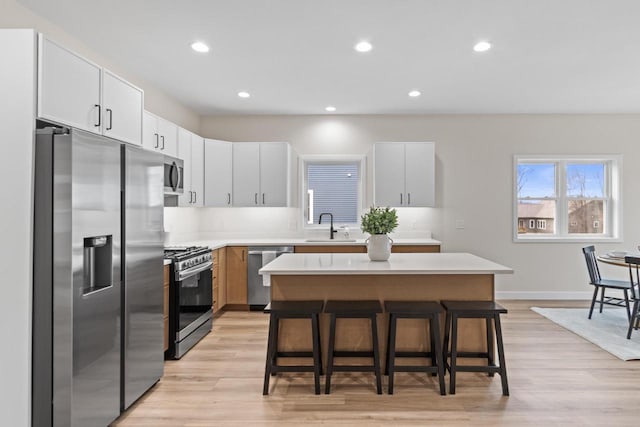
pixel 555 378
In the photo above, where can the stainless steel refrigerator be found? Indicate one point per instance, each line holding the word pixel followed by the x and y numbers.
pixel 98 274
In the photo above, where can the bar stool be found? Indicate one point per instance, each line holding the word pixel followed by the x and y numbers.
pixel 474 310
pixel 415 310
pixel 353 310
pixel 293 310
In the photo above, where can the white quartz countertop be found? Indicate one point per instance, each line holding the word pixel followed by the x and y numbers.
pixel 221 243
pixel 398 263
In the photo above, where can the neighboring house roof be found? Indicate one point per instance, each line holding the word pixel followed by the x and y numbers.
pixel 538 209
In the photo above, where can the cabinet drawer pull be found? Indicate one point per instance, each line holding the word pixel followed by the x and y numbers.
pixel 256 198
pixel 99 115
pixel 110 111
pixel 400 198
pixel 263 198
pixel 408 198
pixel 157 141
pixel 228 198
pixel 162 137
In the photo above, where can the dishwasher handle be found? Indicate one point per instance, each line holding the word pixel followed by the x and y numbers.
pixel 260 252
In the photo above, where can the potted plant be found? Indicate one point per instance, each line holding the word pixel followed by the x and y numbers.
pixel 378 222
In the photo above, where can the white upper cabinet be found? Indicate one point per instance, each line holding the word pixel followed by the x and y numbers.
pixel 404 174
pixel 191 151
pixel 69 88
pixel 246 173
pixel 218 173
pixel 75 92
pixel 122 109
pixel 260 173
pixel 274 168
pixel 159 135
pixel 197 170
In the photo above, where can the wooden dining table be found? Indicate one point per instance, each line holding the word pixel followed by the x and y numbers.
pixel 607 259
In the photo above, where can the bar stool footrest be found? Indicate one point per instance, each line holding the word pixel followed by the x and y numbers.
pixel 353 354
pixel 294 354
pixel 353 368
pixel 471 368
pixel 292 368
pixel 471 354
pixel 415 368
pixel 427 354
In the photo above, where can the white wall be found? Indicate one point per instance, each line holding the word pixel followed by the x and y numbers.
pixel 474 179
pixel 15 15
pixel 17 85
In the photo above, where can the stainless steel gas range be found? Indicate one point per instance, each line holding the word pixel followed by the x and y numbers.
pixel 190 297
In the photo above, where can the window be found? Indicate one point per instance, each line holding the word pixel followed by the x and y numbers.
pixel 332 185
pixel 567 198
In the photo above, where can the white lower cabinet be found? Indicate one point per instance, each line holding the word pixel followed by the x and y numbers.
pixel 75 92
pixel 191 151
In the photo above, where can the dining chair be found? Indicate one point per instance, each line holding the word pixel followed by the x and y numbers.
pixel 634 265
pixel 601 285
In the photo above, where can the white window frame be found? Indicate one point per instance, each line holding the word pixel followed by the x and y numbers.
pixel 329 159
pixel 541 224
pixel 532 224
pixel 613 189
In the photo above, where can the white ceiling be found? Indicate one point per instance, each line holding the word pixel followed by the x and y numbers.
pixel 296 56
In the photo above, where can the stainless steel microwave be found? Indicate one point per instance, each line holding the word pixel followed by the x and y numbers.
pixel 173 175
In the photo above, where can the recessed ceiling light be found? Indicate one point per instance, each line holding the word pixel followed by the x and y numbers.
pixel 244 94
pixel 200 47
pixel 414 93
pixel 482 46
pixel 330 108
pixel 363 46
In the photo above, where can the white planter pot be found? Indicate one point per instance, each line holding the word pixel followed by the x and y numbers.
pixel 379 247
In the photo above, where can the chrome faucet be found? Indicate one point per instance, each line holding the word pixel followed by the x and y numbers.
pixel 331 229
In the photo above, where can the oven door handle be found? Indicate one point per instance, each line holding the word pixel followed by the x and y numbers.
pixel 181 275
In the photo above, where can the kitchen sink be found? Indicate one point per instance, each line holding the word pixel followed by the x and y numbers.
pixel 330 240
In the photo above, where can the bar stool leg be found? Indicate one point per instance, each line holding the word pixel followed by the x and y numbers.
pixel 503 366
pixel 316 352
pixel 391 351
pixel 445 347
pixel 432 345
pixel 319 341
pixel 332 339
pixel 490 357
pixel 274 360
pixel 434 325
pixel 454 354
pixel 270 347
pixel 376 353
pixel 386 359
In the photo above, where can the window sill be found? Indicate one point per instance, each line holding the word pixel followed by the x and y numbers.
pixel 567 239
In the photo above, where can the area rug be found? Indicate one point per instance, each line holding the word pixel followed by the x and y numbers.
pixel 607 330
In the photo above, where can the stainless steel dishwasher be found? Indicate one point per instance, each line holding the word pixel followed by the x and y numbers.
pixel 259 295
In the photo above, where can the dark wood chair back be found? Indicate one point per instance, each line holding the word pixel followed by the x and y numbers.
pixel 592 264
pixel 634 266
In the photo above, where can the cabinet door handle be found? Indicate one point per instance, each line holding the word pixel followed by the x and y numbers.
pixel 190 196
pixel 162 142
pixel 243 255
pixel 256 198
pixel 408 198
pixel 263 198
pixel 228 198
pixel 400 198
pixel 195 196
pixel 110 111
pixel 157 141
pixel 99 115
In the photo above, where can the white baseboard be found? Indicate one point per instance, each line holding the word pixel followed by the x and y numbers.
pixel 561 295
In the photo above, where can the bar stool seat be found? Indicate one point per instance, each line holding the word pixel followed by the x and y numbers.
pixel 367 309
pixel 488 310
pixel 293 310
pixel 430 311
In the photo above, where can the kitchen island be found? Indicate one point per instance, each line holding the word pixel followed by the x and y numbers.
pixel 408 277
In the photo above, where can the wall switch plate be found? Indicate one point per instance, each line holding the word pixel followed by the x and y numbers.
pixel 460 224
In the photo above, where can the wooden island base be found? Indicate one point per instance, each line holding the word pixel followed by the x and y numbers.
pixel 354 334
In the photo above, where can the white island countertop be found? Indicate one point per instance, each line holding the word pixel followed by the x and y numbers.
pixel 398 263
